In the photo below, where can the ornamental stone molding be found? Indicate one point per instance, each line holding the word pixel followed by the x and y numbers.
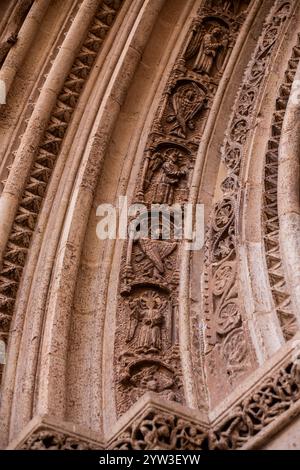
pixel 142 343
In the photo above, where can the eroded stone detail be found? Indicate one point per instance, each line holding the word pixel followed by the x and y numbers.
pixel 46 439
pixel 34 192
pixel 228 345
pixel 279 289
pixel 149 352
pixel 168 431
pixel 19 15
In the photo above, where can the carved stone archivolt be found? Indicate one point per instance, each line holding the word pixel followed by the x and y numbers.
pixel 61 356
pixel 146 345
pixel 34 192
pixel 282 300
pixel 227 337
pixel 52 440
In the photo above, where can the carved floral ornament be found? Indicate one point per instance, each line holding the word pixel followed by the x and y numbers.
pixel 271 399
pixel 227 336
pixel 146 345
pixel 18 17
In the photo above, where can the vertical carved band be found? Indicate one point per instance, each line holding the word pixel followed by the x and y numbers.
pixel 146 344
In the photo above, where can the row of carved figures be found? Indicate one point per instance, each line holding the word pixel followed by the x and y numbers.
pixel 146 348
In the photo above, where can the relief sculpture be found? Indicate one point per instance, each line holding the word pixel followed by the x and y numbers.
pixel 211 45
pixel 148 311
pixel 187 101
pixel 193 329
pixel 208 47
pixel 146 345
pixel 227 337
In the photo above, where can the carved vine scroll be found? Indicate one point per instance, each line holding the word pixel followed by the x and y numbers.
pixel 227 337
pixel 282 300
pixel 46 439
pixel 146 344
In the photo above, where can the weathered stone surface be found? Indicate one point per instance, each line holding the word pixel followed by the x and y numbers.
pixel 143 343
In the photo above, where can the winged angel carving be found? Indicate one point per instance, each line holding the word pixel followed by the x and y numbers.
pixel 208 44
pixel 167 167
pixel 228 6
pixel 147 310
pixel 187 101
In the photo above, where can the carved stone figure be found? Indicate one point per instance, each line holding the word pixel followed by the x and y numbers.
pixel 152 320
pixel 208 51
pixel 51 440
pixel 142 343
pixel 187 101
pixel 170 174
pixel 147 312
pixel 46 154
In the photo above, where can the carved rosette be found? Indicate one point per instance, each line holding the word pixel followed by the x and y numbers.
pixel 146 345
pixel 227 339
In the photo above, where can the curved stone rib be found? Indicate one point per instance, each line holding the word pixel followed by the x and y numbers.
pixel 151 269
pixel 31 200
pixel 288 192
pixel 272 185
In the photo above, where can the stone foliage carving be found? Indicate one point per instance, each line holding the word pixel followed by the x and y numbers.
pixel 279 289
pixel 227 338
pixel 146 345
pixel 162 431
pixel 46 439
pixel 34 192
pixel 165 431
